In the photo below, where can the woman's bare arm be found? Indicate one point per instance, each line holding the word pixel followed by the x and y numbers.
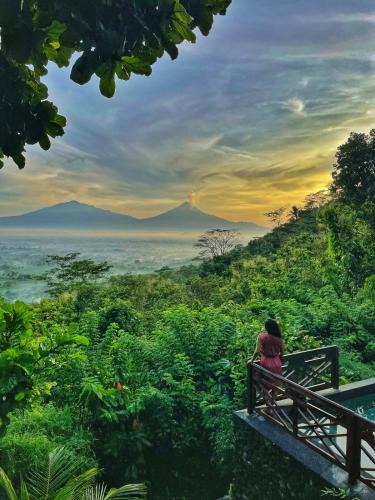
pixel 258 349
pixel 282 349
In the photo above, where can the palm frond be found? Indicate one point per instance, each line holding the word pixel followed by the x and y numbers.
pixel 76 487
pixel 129 492
pixel 44 483
pixel 97 492
pixel 24 492
pixel 7 486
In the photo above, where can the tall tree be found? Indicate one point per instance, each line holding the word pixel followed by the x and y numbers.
pixel 354 170
pixel 216 243
pixel 69 272
pixel 277 216
pixel 113 39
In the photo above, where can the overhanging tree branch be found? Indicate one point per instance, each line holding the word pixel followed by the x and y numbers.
pixel 112 38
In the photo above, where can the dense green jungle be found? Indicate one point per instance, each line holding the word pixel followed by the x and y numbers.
pixel 136 377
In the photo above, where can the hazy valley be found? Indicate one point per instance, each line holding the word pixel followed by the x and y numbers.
pixel 131 245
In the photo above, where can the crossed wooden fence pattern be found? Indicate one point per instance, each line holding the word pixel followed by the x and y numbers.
pixel 340 435
pixel 315 369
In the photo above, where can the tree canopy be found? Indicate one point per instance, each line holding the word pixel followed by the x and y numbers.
pixel 216 243
pixel 107 38
pixel 24 354
pixel 69 272
pixel 354 171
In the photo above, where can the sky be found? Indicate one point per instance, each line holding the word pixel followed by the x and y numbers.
pixel 245 121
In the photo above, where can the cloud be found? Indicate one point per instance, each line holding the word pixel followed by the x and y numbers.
pixel 203 144
pixel 304 81
pixel 361 17
pixel 295 106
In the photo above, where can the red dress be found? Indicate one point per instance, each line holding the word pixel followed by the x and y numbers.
pixel 270 352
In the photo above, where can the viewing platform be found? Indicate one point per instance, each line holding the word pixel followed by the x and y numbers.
pixel 327 427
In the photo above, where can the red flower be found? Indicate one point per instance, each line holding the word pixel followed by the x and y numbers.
pixel 119 387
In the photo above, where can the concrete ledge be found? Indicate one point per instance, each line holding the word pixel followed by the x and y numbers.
pixel 331 473
pixel 345 392
pixel 349 391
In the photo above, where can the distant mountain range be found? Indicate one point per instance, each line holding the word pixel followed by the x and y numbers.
pixel 75 215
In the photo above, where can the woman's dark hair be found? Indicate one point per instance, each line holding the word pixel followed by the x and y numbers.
pixel 273 327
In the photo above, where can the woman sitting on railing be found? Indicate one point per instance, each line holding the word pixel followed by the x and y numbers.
pixel 270 346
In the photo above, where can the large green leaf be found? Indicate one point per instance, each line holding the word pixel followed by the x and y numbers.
pixel 55 30
pixel 181 22
pixel 24 492
pixel 108 84
pixel 84 68
pixel 137 65
pixel 46 482
pixel 7 486
pixel 128 492
pixel 76 487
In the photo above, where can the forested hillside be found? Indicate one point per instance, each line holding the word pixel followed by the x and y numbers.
pixel 140 375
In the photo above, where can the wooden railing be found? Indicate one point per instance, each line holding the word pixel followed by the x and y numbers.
pixel 315 369
pixel 340 435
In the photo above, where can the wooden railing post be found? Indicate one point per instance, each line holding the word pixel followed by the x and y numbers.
pixel 335 375
pixel 251 393
pixel 294 415
pixel 353 449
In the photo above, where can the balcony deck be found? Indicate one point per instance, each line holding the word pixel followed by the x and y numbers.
pixel 301 413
